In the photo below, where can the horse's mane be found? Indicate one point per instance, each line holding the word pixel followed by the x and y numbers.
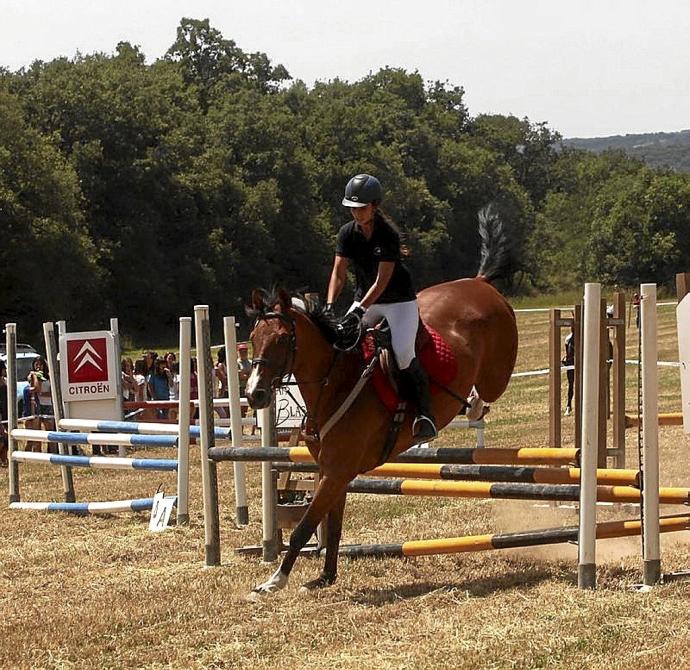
pixel 324 319
pixel 314 310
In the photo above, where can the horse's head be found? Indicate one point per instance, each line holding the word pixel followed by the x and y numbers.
pixel 273 344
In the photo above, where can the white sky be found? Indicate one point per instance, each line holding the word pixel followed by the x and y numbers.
pixel 586 67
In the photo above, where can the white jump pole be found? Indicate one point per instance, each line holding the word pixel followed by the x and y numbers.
pixel 58 405
pixel 11 351
pixel 209 479
pixel 586 575
pixel 268 492
pixel 115 329
pixel 184 420
pixel 240 472
pixel 651 544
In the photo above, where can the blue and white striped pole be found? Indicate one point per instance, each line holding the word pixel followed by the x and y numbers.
pixel 111 507
pixel 97 462
pixel 95 438
pixel 144 428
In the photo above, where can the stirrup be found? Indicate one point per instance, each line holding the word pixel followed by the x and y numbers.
pixel 424 429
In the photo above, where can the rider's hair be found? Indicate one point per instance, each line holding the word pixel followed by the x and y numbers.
pixel 388 221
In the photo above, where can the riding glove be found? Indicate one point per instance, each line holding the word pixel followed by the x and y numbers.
pixel 357 309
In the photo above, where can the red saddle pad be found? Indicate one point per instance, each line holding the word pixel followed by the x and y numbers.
pixel 436 357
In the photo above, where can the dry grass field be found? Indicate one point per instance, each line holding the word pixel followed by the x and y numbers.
pixel 103 592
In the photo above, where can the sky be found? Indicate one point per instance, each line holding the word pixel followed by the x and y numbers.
pixel 587 68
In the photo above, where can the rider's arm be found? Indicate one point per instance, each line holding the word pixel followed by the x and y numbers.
pixel 338 278
pixel 383 276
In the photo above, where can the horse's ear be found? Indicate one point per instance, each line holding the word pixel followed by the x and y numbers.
pixel 284 299
pixel 258 300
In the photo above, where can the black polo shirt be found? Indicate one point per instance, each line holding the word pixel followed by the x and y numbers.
pixel 365 255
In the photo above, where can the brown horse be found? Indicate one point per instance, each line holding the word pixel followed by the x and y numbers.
pixel 474 319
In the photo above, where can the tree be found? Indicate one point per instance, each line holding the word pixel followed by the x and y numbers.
pixel 208 60
pixel 48 265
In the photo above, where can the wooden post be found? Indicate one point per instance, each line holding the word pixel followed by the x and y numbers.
pixel 682 285
pixel 577 397
pixel 603 377
pixel 586 547
pixel 554 378
pixel 650 436
pixel 618 403
pixel 209 476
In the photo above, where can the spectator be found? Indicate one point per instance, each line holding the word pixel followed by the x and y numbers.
pixel 244 365
pixel 129 384
pixel 220 388
pixel 636 308
pixel 173 369
pixel 194 387
pixel 569 361
pixel 3 414
pixel 244 369
pixel 140 379
pixel 41 402
pixel 158 385
pixel 150 358
pixel 175 386
pixel 193 381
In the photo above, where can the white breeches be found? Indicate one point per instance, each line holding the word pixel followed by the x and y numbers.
pixel 403 319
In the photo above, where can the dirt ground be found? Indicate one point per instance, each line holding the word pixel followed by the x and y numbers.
pixel 104 592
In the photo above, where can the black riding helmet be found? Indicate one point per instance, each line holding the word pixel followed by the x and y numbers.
pixel 361 190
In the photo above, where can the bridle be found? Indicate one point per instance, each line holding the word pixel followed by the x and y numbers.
pixel 291 352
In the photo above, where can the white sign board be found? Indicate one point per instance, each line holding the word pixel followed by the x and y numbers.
pixel 161 511
pixel 290 407
pixel 89 368
pixel 683 325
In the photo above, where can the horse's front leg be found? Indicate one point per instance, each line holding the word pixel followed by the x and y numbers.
pixel 334 529
pixel 329 492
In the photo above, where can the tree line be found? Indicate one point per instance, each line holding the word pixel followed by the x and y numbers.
pixel 138 190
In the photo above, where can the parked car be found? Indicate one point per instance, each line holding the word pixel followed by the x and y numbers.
pixel 26 355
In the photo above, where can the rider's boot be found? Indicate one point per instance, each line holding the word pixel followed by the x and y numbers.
pixel 416 383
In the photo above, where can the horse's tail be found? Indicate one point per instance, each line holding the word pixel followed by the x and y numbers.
pixel 495 249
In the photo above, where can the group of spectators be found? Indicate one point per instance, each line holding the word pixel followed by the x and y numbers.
pixel 155 377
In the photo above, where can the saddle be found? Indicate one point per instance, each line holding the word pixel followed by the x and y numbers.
pixel 433 352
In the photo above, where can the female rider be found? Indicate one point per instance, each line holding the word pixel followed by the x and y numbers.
pixel 384 288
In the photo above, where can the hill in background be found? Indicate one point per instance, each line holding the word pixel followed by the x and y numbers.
pixel 671 150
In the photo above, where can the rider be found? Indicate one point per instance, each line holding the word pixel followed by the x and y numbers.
pixel 383 289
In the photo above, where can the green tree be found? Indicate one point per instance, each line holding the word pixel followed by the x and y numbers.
pixel 47 262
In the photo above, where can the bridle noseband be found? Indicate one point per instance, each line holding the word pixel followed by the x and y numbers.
pixel 291 351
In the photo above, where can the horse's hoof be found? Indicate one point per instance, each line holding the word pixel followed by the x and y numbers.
pixel 276 582
pixel 259 594
pixel 316 584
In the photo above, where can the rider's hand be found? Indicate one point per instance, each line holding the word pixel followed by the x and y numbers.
pixel 357 309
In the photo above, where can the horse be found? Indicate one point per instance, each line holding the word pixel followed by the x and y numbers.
pixel 474 319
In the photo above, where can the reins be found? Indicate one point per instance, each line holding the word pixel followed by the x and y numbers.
pixel 290 355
